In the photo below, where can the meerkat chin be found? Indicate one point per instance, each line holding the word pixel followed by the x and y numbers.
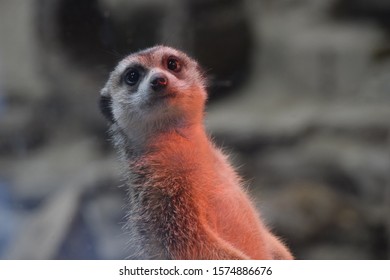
pixel 185 201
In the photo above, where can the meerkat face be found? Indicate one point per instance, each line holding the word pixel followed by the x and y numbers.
pixel 158 86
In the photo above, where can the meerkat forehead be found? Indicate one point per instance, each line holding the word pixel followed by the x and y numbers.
pixel 154 57
pixel 149 57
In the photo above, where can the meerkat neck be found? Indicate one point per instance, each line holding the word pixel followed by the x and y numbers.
pixel 140 142
pixel 191 140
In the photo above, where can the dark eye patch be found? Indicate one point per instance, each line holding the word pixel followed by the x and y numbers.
pixel 133 74
pixel 132 77
pixel 174 64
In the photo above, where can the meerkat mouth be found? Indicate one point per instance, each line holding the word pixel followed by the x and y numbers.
pixel 160 99
pixel 165 96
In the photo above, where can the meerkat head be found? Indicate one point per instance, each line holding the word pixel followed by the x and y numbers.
pixel 158 87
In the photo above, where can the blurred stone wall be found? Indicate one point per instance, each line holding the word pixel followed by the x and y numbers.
pixel 299 96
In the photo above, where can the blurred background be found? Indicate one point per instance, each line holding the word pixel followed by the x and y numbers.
pixel 299 96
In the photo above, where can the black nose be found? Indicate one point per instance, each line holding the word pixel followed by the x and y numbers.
pixel 158 82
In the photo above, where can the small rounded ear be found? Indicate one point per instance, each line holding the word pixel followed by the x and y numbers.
pixel 105 104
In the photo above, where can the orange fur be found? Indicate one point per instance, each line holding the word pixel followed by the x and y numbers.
pixel 185 199
pixel 220 220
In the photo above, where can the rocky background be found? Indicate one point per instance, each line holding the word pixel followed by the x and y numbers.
pixel 300 97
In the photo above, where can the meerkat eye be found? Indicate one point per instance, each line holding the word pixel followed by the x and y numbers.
pixel 173 64
pixel 131 77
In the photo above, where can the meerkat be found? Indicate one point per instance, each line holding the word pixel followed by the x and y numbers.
pixel 185 199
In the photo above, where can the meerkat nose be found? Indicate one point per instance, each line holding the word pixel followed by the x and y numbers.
pixel 158 81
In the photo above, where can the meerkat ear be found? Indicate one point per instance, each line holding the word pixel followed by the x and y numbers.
pixel 105 104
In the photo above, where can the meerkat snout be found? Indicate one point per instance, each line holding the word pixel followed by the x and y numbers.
pixel 158 81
